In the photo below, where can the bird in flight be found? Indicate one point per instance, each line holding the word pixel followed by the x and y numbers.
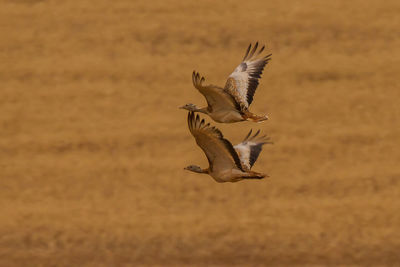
pixel 227 163
pixel 231 103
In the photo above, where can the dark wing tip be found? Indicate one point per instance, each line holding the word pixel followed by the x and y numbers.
pixel 190 118
pixel 255 149
pixel 202 122
pixel 247 52
pixel 256 134
pixel 254 50
pixel 247 136
pixel 254 153
pixel 194 78
pixel 262 49
pixel 254 76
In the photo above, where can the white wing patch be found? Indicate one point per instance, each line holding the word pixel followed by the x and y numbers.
pixel 249 149
pixel 243 81
pixel 243 151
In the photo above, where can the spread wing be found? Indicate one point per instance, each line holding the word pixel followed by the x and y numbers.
pixel 216 97
pixel 219 151
pixel 243 81
pixel 249 149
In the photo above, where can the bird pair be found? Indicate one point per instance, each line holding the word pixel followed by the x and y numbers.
pixel 228 163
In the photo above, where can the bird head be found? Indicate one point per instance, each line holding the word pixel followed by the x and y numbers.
pixel 190 107
pixel 193 168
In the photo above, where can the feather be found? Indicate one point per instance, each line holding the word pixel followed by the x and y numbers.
pixel 219 151
pixel 216 97
pixel 243 81
pixel 249 149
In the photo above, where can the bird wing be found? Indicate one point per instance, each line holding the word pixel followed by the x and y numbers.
pixel 243 81
pixel 219 151
pixel 217 98
pixel 249 149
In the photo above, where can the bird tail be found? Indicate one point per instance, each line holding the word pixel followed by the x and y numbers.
pixel 254 175
pixel 253 117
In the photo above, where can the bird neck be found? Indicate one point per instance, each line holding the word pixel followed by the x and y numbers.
pixel 205 170
pixel 200 170
pixel 202 110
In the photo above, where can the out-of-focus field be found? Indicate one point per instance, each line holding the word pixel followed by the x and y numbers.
pixel 92 145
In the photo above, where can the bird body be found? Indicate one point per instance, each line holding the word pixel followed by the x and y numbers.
pixel 234 175
pixel 231 103
pixel 225 114
pixel 227 163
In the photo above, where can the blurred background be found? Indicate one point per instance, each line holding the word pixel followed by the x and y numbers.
pixel 93 145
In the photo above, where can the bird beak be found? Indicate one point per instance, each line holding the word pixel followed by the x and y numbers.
pixel 182 107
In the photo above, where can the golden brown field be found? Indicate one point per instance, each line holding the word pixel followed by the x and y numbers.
pixel 92 144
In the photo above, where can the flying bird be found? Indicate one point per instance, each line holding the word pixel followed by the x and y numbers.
pixel 227 163
pixel 231 103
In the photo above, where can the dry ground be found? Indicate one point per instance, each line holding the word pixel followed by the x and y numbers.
pixel 92 145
